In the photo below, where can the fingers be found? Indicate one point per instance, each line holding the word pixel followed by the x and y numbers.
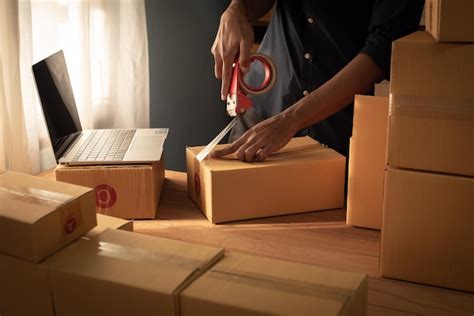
pixel 229 149
pixel 263 154
pixel 218 66
pixel 244 55
pixel 248 151
pixel 226 77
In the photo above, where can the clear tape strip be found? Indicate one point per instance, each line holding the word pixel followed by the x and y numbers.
pixel 34 196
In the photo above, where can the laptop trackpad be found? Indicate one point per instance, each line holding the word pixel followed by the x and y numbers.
pixel 141 143
pixel 145 148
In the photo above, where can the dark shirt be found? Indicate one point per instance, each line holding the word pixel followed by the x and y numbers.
pixel 310 41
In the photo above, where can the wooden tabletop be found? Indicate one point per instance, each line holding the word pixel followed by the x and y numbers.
pixel 320 238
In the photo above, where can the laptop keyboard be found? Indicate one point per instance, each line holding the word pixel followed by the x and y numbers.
pixel 105 145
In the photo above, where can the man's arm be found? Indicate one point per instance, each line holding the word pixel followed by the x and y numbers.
pixel 235 37
pixel 357 77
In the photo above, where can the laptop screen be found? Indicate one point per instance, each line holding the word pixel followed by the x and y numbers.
pixel 57 100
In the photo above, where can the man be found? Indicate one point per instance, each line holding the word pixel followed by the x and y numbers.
pixel 326 51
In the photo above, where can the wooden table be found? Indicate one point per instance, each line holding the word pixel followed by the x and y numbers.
pixel 320 238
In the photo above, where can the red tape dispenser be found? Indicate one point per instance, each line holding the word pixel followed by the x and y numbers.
pixel 237 101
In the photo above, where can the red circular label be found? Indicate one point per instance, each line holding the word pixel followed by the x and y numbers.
pixel 197 184
pixel 105 196
pixel 70 225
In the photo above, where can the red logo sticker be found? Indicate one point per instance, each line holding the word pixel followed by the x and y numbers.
pixel 70 226
pixel 197 184
pixel 105 196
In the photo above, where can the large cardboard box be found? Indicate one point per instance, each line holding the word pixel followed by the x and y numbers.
pixel 303 176
pixel 124 273
pixel 39 217
pixel 125 191
pixel 450 20
pixel 367 161
pixel 431 107
pixel 24 288
pixel 428 234
pixel 242 284
pixel 104 222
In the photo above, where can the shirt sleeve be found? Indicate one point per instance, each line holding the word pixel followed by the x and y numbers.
pixel 391 19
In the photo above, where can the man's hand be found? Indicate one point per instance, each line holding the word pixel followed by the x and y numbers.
pixel 261 140
pixel 234 37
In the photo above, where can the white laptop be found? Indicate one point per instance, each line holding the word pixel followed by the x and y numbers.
pixel 74 146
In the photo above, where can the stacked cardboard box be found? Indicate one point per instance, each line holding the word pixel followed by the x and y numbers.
pixel 429 184
pixel 303 176
pixel 450 20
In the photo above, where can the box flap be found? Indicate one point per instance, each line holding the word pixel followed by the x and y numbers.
pixel 273 286
pixel 134 260
pixel 299 149
pixel 27 198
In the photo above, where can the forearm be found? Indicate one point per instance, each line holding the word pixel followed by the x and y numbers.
pixel 357 77
pixel 254 9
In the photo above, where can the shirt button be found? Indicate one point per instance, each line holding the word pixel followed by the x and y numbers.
pixel 307 56
pixel 305 92
pixel 310 20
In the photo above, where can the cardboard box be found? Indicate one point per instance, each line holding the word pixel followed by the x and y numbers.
pixel 242 284
pixel 24 288
pixel 124 191
pixel 123 273
pixel 367 161
pixel 428 234
pixel 450 20
pixel 39 217
pixel 303 176
pixel 105 221
pixel 431 107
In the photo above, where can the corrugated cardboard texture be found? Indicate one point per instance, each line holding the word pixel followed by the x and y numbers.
pixel 125 191
pixel 123 273
pixel 428 233
pixel 450 20
pixel 39 217
pixel 303 176
pixel 431 114
pixel 105 221
pixel 23 288
pixel 241 284
pixel 367 161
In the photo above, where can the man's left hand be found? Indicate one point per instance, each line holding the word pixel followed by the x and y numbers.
pixel 261 140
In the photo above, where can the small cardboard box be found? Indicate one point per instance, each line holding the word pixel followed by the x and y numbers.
pixel 39 217
pixel 367 161
pixel 431 106
pixel 24 288
pixel 124 273
pixel 242 284
pixel 124 191
pixel 105 221
pixel 450 20
pixel 303 176
pixel 427 233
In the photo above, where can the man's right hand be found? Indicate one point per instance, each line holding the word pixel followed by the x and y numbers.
pixel 234 37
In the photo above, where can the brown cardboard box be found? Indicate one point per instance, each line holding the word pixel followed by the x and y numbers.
pixel 105 221
pixel 431 107
pixel 123 273
pixel 367 161
pixel 304 176
pixel 23 288
pixel 242 284
pixel 125 191
pixel 39 217
pixel 450 20
pixel 428 233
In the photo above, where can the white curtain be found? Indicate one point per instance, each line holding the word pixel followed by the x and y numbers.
pixel 106 51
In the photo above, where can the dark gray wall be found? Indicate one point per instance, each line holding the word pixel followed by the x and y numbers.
pixel 184 94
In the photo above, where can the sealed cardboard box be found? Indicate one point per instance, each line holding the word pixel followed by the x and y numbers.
pixel 450 20
pixel 39 217
pixel 124 273
pixel 24 288
pixel 303 176
pixel 431 107
pixel 428 229
pixel 241 284
pixel 367 161
pixel 125 191
pixel 104 222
